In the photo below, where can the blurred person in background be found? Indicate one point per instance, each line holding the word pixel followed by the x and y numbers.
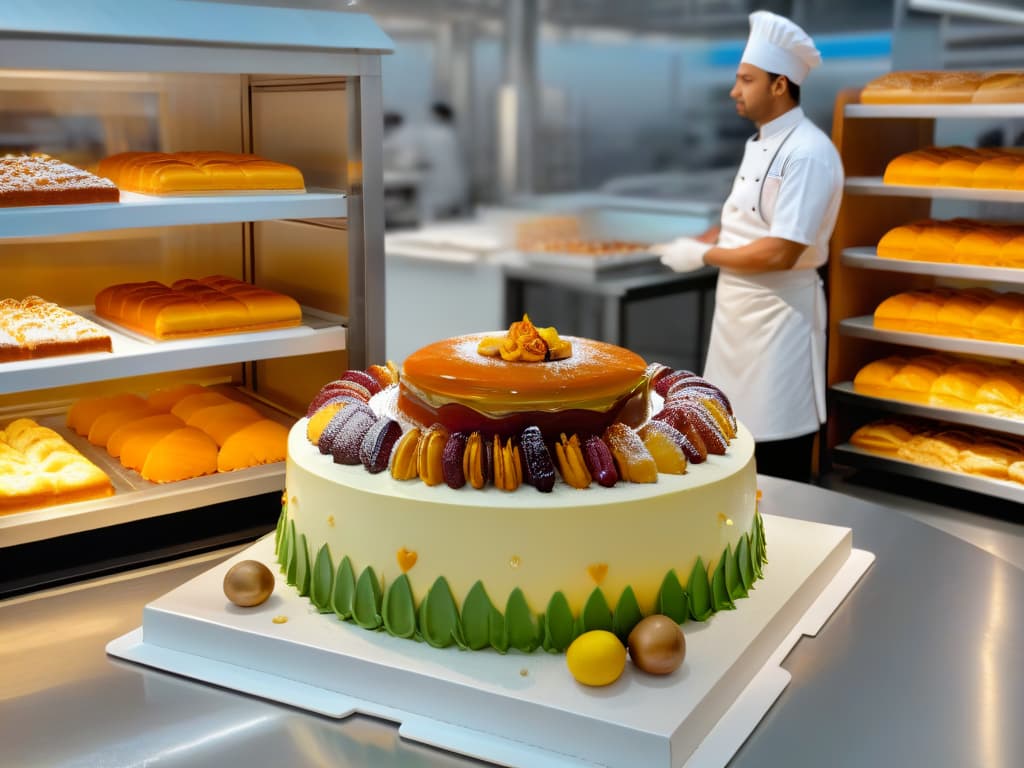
pixel 767 348
pixel 444 184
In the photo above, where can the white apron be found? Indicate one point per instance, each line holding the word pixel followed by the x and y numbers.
pixel 767 348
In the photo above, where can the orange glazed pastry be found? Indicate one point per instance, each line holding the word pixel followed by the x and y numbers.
pixel 159 173
pixel 222 421
pixel 39 179
pixel 180 455
pixel 261 442
pixel 450 382
pixel 189 308
pixel 137 432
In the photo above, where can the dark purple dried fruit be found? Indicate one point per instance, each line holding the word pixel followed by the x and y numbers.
pixel 451 460
pixel 538 468
pixel 379 441
pixel 600 461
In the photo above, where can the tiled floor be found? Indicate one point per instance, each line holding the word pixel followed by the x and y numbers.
pixel 993 525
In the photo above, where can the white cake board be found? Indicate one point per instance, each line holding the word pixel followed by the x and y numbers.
pixel 515 709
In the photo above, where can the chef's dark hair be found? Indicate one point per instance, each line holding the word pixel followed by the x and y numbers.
pixel 792 88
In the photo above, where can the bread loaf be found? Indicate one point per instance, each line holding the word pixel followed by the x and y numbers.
pixel 944 87
pixel 957 167
pixel 190 308
pixel 39 179
pixel 161 173
pixel 975 313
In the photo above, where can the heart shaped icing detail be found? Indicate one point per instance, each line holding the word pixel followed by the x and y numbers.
pixel 598 571
pixel 406 559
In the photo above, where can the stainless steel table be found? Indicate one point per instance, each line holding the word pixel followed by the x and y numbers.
pixel 918 667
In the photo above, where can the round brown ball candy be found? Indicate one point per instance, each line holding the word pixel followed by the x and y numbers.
pixel 657 645
pixel 248 583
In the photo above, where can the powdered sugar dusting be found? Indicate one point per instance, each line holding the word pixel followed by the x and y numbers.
pixel 47 175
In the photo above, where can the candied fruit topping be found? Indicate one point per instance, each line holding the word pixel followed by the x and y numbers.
pixel 527 343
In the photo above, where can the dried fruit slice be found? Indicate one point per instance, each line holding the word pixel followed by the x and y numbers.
pixel 379 441
pixel 363 379
pixel 261 442
pixel 319 420
pixel 355 423
pixel 403 457
pixel 666 445
pixel 696 451
pixel 636 465
pixel 429 455
pixel 338 422
pixel 474 461
pixel 571 462
pixel 706 426
pixel 655 372
pixel 452 460
pixel 700 388
pixel 666 381
pixel 721 417
pixel 538 468
pixel 384 374
pixel 508 470
pixel 600 462
pixel 335 389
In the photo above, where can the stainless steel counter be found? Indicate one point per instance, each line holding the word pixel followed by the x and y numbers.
pixel 917 667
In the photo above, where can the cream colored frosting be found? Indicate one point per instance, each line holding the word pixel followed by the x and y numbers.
pixel 538 542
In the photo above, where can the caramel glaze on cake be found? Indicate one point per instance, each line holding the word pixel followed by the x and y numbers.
pixel 450 383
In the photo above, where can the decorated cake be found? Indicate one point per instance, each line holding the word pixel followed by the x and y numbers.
pixel 519 491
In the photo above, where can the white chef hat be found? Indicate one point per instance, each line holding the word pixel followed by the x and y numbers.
pixel 778 45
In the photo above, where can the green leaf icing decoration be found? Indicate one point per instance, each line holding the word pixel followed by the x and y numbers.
pixel 764 539
pixel 343 596
pixel 733 582
pixel 367 604
pixel 520 623
pixel 626 614
pixel 477 611
pixel 282 521
pixel 559 626
pixel 744 562
pixel 499 632
pixel 756 549
pixel 302 565
pixel 698 589
pixel 288 549
pixel 720 599
pixel 322 580
pixel 596 613
pixel 672 600
pixel 399 608
pixel 439 616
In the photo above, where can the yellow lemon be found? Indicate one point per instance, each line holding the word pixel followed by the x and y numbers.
pixel 596 658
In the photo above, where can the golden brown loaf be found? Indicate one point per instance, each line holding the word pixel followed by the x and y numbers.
pixel 973 313
pixel 969 451
pixel 958 241
pixel 39 468
pixel 946 382
pixel 943 87
pixel 163 173
pixel 33 327
pixel 211 305
pixel 957 167
pixel 39 179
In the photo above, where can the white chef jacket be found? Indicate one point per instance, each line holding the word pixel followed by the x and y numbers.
pixel 767 348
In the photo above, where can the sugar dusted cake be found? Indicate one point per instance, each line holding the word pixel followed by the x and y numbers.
pixel 517 491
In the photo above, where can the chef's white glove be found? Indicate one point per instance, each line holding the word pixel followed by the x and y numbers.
pixel 684 254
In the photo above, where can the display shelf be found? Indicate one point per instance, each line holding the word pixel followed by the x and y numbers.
pixel 135 211
pixel 965 111
pixel 134 497
pixel 864 328
pixel 867 258
pixel 845 391
pixel 851 455
pixel 873 185
pixel 134 355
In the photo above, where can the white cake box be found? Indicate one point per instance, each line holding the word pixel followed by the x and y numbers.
pixel 515 709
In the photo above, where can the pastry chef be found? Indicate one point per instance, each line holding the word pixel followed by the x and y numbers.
pixel 767 348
